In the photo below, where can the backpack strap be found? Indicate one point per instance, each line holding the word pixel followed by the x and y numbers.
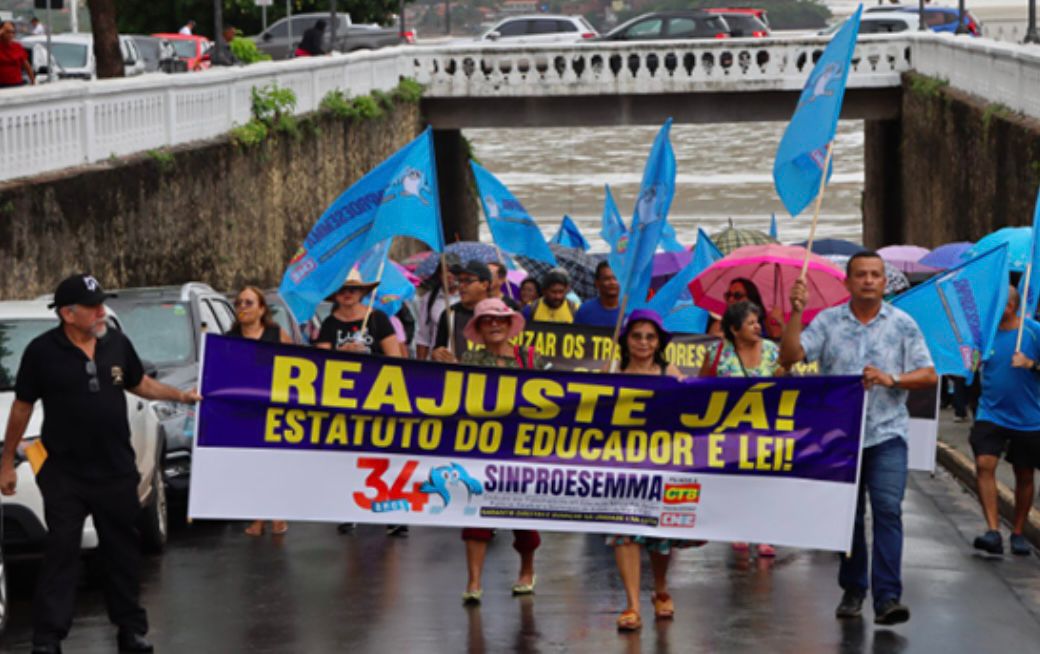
pixel 718 355
pixel 520 360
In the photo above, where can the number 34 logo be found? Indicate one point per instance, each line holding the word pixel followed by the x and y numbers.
pixel 401 495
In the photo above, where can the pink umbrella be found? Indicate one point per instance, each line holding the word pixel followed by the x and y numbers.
pixel 407 273
pixel 773 268
pixel 906 257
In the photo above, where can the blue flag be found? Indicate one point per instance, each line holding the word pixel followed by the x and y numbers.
pixel 648 220
pixel 673 300
pixel 512 228
pixel 1031 295
pixel 803 148
pixel 569 235
pixel 613 231
pixel 341 235
pixel 959 310
pixel 411 204
pixel 773 231
pixel 394 288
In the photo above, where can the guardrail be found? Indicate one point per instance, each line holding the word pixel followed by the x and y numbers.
pixel 71 123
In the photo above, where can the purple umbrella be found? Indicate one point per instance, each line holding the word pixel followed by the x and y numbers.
pixel 666 264
pixel 906 257
pixel 946 256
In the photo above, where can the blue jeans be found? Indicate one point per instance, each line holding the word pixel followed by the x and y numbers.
pixel 883 476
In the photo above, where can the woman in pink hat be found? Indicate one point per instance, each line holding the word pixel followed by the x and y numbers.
pixel 493 326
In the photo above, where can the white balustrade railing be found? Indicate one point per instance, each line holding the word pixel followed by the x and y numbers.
pixel 71 123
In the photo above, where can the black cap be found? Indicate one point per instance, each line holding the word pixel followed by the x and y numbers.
pixel 475 268
pixel 79 289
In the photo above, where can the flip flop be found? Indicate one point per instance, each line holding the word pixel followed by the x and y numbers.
pixel 766 550
pixel 472 597
pixel 629 621
pixel 525 589
pixel 664 608
pixel 255 529
pixel 279 527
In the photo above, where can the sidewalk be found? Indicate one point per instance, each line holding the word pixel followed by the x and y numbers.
pixel 955 455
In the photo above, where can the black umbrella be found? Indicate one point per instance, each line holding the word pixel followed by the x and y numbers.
pixel 580 265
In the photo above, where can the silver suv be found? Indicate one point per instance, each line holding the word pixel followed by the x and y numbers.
pixel 541 28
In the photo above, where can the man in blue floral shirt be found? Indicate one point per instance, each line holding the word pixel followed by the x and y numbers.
pixel 883 344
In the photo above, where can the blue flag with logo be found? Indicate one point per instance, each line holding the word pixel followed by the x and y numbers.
pixel 390 193
pixel 613 231
pixel 958 311
pixel 648 220
pixel 411 204
pixel 511 226
pixel 568 235
pixel 394 288
pixel 673 300
pixel 1031 295
pixel 803 148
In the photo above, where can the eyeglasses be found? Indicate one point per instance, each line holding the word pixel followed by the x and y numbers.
pixel 734 295
pixel 649 338
pixel 496 319
pixel 245 303
pixel 93 384
pixel 466 281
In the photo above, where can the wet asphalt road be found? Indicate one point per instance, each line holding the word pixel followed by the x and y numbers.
pixel 313 590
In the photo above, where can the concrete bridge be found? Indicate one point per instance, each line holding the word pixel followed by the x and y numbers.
pixel 70 123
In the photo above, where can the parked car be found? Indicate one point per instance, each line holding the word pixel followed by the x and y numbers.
pixel 743 23
pixel 192 50
pixel 937 19
pixel 760 14
pixel 671 25
pixel 24 528
pixel 166 324
pixel 73 56
pixel 889 22
pixel 158 54
pixel 277 42
pixel 540 28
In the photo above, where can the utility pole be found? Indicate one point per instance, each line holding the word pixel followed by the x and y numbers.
pixel 1031 35
pixel 335 23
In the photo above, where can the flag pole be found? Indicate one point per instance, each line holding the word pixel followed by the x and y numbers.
pixel 379 280
pixel 816 213
pixel 447 302
pixel 612 367
pixel 1023 301
pixel 502 262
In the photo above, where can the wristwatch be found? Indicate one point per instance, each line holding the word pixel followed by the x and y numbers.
pixel 895 381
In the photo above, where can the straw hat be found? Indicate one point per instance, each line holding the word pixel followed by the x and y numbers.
pixel 354 282
pixel 492 307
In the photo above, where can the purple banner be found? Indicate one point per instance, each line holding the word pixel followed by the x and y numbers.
pixel 286 397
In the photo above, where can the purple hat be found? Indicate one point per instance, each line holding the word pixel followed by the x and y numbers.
pixel 647 315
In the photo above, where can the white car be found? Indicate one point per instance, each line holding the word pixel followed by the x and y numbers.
pixel 24 528
pixel 73 56
pixel 882 22
pixel 541 28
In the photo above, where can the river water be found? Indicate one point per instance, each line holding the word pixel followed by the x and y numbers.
pixel 724 172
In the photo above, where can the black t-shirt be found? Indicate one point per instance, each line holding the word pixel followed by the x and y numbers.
pixel 338 333
pixel 462 316
pixel 85 428
pixel 271 333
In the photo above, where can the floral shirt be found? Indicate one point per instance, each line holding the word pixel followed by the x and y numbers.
pixel 891 342
pixel 730 364
pixel 482 357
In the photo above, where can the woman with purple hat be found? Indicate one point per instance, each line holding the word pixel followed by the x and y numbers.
pixel 492 327
pixel 643 342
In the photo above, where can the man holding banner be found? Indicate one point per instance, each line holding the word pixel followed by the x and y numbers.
pixel 883 344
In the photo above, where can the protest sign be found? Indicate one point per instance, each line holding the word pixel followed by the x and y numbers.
pixel 304 434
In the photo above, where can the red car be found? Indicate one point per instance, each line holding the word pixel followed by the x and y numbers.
pixel 743 21
pixel 194 50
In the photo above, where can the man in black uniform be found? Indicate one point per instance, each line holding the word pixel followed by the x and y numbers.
pixel 80 372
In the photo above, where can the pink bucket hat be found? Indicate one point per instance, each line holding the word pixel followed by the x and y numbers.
pixel 493 307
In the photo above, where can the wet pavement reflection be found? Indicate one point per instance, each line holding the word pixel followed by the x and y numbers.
pixel 314 590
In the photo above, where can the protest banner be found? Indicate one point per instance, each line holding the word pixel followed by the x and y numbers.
pixel 297 433
pixel 586 348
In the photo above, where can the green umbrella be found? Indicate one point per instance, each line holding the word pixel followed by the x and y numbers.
pixel 732 238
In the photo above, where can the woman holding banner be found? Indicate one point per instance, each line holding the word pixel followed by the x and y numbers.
pixel 253 320
pixel 642 342
pixel 744 353
pixel 492 326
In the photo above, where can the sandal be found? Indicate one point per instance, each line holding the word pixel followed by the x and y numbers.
pixel 740 547
pixel 766 550
pixel 255 529
pixel 472 597
pixel 664 608
pixel 279 527
pixel 525 589
pixel 629 621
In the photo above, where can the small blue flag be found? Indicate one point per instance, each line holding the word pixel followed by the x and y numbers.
pixel 569 235
pixel 341 235
pixel 959 310
pixel 649 220
pixel 673 300
pixel 773 231
pixel 803 148
pixel 614 231
pixel 511 226
pixel 394 288
pixel 1031 295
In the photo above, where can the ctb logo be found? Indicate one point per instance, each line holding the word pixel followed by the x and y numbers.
pixel 682 493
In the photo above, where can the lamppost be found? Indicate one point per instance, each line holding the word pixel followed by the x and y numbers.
pixel 960 18
pixel 1031 35
pixel 920 14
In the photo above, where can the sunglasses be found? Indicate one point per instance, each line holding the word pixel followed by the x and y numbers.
pixel 734 295
pixel 245 303
pixel 93 384
pixel 649 338
pixel 496 319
